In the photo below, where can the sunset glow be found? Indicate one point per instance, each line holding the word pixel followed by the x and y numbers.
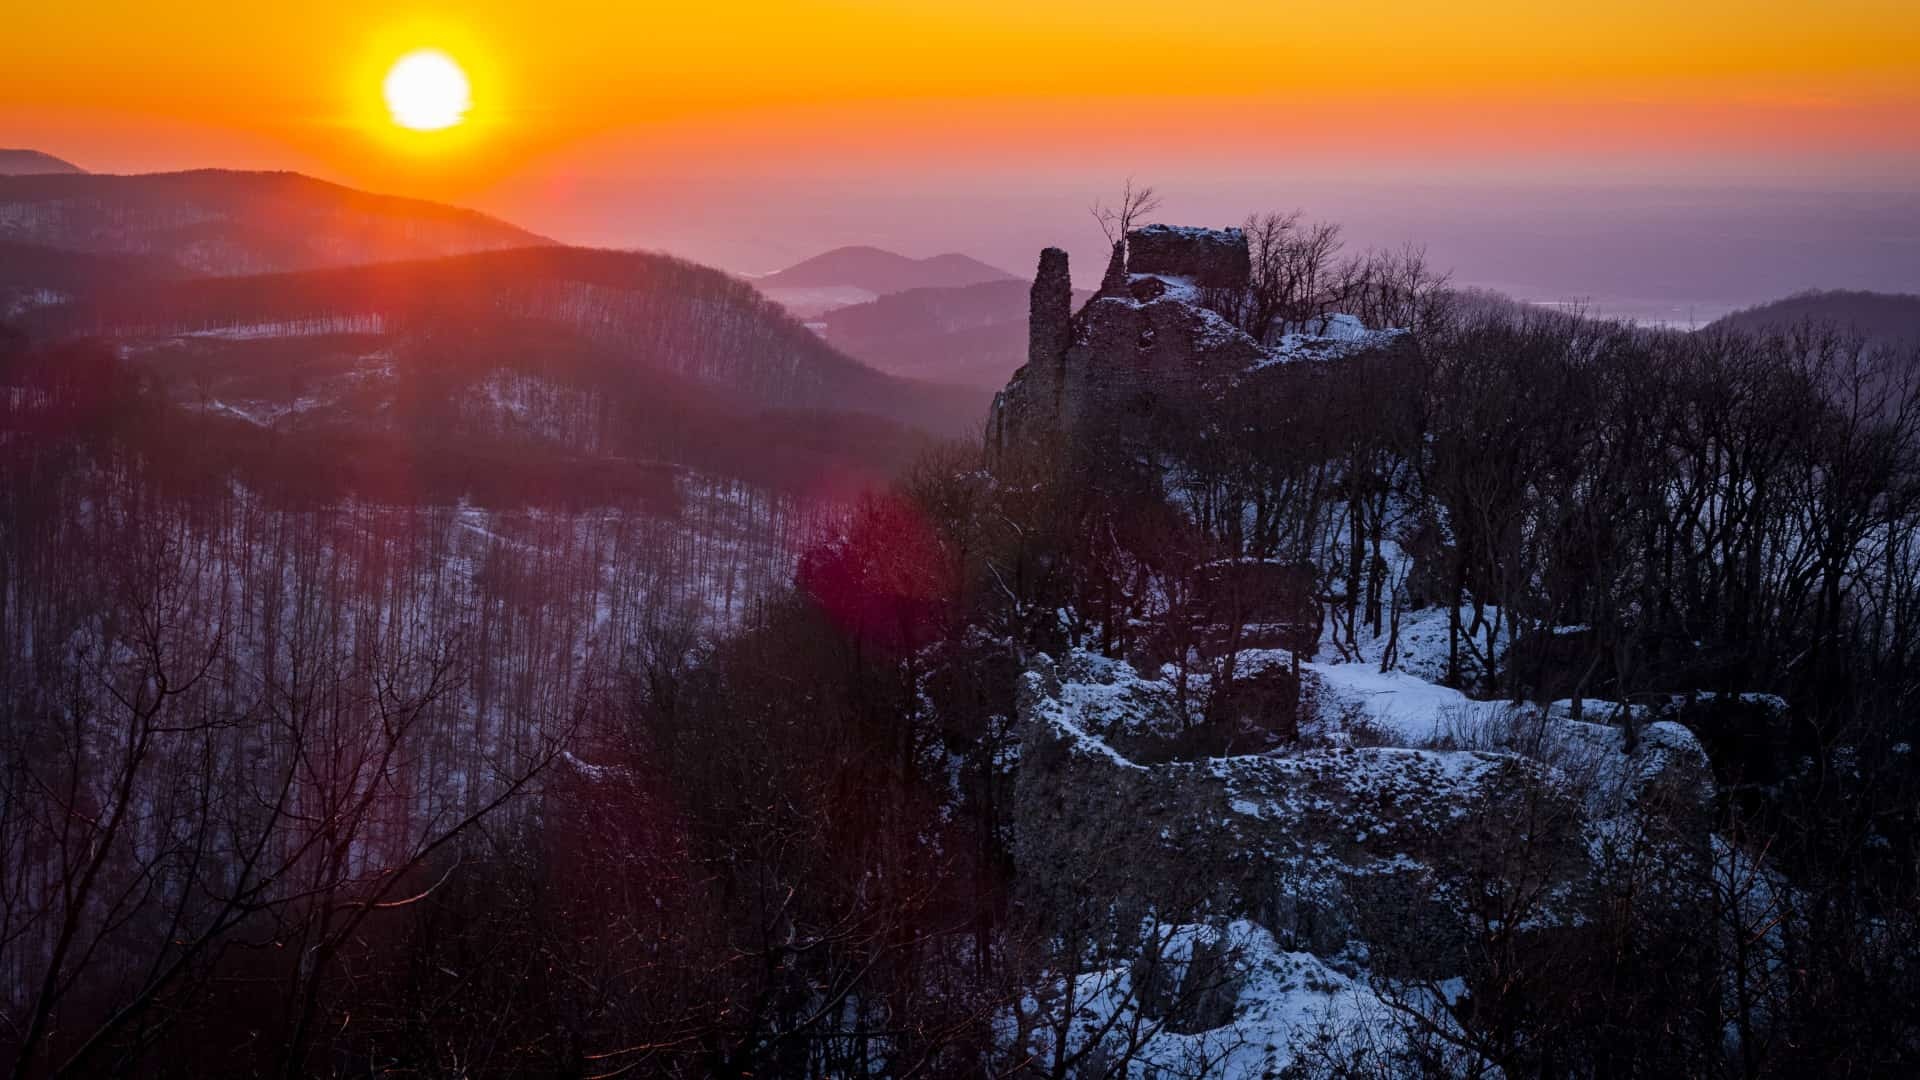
pixel 615 124
pixel 604 68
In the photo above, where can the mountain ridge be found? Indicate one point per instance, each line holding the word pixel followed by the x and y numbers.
pixel 231 222
pixel 659 312
pixel 971 334
pixel 1880 317
pixel 21 161
pixel 881 272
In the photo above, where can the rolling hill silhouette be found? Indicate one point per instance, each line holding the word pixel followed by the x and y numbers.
pixel 974 335
pixel 343 328
pixel 222 222
pixel 19 162
pixel 1882 318
pixel 881 272
pixel 566 354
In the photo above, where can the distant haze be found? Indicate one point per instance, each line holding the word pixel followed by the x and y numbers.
pixel 1670 253
pixel 1681 251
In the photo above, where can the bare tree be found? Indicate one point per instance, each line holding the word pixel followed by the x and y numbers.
pixel 1118 219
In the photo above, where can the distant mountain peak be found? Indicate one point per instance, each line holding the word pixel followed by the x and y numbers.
pixel 879 271
pixel 22 162
pixel 1881 318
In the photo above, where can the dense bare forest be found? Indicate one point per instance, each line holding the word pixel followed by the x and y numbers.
pixel 401 677
pixel 240 717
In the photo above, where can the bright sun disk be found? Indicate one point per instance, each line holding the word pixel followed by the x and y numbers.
pixel 427 91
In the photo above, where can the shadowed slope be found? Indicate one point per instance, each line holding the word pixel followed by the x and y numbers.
pixel 221 222
pixel 34 163
pixel 1882 318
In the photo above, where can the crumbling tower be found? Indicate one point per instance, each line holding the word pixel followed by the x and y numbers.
pixel 1034 397
pixel 1049 323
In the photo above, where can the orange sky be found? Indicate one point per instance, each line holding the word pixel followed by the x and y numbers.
pixel 673 93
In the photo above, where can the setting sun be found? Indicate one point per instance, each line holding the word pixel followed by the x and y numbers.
pixel 427 91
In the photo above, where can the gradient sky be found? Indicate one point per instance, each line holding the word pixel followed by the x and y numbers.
pixel 747 132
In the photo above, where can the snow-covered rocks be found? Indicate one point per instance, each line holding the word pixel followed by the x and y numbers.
pixel 1333 337
pixel 1198 1000
pixel 1357 862
pixel 1319 846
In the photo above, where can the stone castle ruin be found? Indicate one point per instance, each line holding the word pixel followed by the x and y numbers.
pixel 1148 336
pixel 1379 840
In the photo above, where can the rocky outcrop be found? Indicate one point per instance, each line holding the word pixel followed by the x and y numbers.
pixel 1319 846
pixel 1390 848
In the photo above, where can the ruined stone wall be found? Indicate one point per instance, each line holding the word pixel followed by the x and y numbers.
pixel 1211 258
pixel 1134 363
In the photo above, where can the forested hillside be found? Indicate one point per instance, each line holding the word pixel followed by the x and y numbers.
pixel 362 546
pixel 221 222
pixel 656 312
pixel 1882 318
pixel 974 335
